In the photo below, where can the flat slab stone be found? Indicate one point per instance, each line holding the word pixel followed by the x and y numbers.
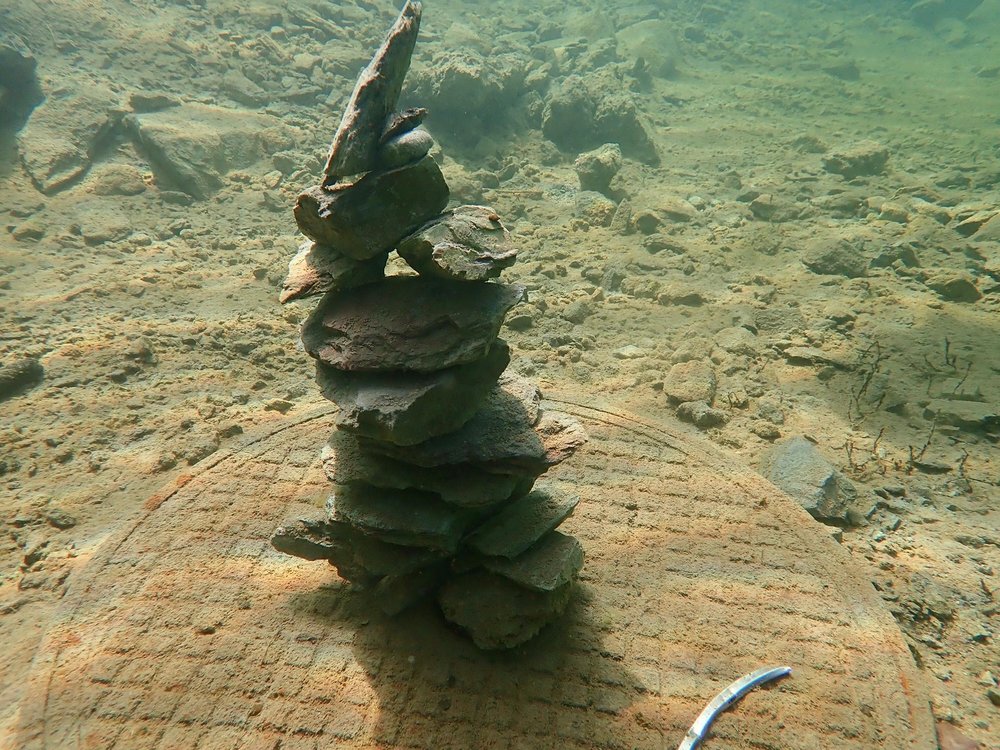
pixel 317 269
pixel 375 94
pixel 497 613
pixel 467 244
pixel 359 558
pixel 408 323
pixel 407 408
pixel 344 462
pixel 522 523
pixel 403 517
pixel 369 217
pixel 509 434
pixel 551 563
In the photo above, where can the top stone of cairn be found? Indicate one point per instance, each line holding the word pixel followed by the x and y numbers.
pixel 355 146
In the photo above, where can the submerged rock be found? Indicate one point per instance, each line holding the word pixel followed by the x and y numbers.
pixel 355 144
pixel 797 467
pixel 63 134
pixel 19 376
pixel 522 523
pixel 346 463
pixel 191 147
pixel 408 324
pixel 497 613
pixel 466 244
pixel 596 168
pixel 408 408
pixel 317 269
pixel 509 434
pixel 858 160
pixel 369 217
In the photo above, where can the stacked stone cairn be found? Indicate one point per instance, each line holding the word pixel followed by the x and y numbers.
pixel 437 448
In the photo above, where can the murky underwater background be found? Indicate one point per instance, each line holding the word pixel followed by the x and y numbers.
pixel 795 242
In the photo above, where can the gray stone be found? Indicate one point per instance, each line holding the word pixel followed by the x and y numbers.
pixel 58 144
pixel 19 88
pixel 344 462
pixel 522 523
pixel 503 436
pixel 596 168
pixel 857 160
pixel 355 144
pixel 466 244
pixel 737 340
pixel 497 613
pixel 837 258
pixel 404 148
pixel 192 147
pixel 550 564
pixel 408 323
pixel 693 380
pixel 317 269
pixel 404 517
pixel 408 408
pixel 798 468
pixel 369 217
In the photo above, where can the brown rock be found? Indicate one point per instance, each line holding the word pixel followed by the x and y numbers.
pixel 408 323
pixel 317 269
pixel 374 97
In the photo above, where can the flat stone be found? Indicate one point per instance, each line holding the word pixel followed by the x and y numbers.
pixel 370 217
pixel 466 244
pixel 408 323
pixel 550 564
pixel 408 408
pixel 191 147
pixel 374 98
pixel 930 12
pixel 63 133
pixel 404 148
pixel 797 467
pixel 497 613
pixel 857 160
pixel 317 269
pixel 402 517
pixel 465 486
pixel 837 258
pixel 693 380
pixel 522 523
pixel 358 557
pixel 502 437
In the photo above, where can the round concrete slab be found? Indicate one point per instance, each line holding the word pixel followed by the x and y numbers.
pixel 187 631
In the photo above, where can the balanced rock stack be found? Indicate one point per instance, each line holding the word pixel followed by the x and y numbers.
pixel 437 448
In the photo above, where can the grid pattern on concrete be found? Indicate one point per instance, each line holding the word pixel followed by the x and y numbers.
pixel 187 631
